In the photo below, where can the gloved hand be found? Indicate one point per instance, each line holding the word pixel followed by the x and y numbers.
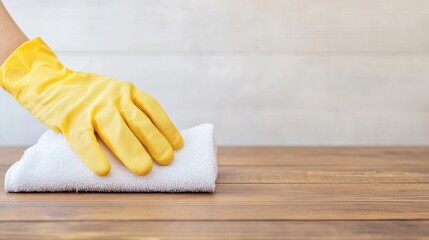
pixel 79 104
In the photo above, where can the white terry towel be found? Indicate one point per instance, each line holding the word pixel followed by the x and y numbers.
pixel 52 166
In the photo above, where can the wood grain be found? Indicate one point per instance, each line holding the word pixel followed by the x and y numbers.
pixel 237 203
pixel 217 230
pixel 299 165
pixel 309 165
pixel 327 157
pixel 262 192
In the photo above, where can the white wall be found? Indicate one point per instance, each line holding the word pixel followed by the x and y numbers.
pixel 282 72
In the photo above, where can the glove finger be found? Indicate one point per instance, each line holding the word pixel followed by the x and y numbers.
pixel 157 145
pixel 158 116
pixel 121 141
pixel 85 145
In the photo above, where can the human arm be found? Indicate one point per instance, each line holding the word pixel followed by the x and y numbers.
pixel 82 105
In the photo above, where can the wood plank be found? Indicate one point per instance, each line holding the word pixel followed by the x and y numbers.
pixel 226 26
pixel 326 175
pixel 236 193
pixel 52 210
pixel 9 155
pixel 308 165
pixel 342 198
pixel 394 158
pixel 230 202
pixel 217 230
pixel 328 157
pixel 255 201
pixel 323 165
pixel 286 175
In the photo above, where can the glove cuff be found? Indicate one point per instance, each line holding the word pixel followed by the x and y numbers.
pixel 31 64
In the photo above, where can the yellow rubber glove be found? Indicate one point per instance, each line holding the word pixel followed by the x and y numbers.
pixel 80 104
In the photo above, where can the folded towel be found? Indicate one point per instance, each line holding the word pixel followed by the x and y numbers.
pixel 52 166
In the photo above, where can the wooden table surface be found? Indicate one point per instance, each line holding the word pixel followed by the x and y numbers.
pixel 262 193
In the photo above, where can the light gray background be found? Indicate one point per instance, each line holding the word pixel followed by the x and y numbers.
pixel 265 72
